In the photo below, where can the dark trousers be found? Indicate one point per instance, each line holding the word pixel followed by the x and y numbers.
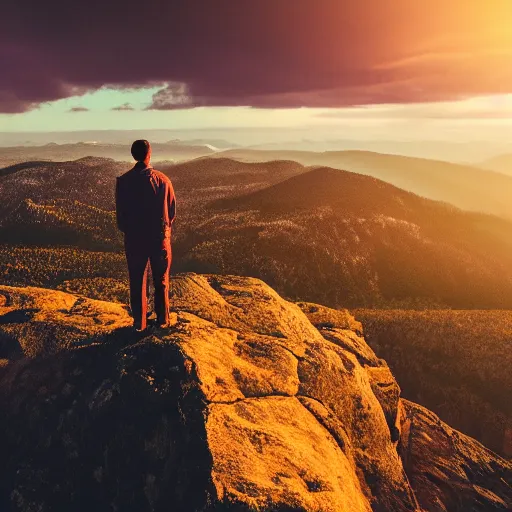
pixel 157 253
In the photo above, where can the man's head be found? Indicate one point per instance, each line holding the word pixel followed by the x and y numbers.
pixel 141 151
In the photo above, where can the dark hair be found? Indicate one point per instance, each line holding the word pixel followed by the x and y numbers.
pixel 140 149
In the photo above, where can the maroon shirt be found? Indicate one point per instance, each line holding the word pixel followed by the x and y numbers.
pixel 145 203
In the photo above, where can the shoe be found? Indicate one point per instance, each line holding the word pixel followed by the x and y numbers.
pixel 162 323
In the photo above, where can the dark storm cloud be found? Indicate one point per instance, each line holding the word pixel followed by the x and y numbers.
pixel 78 109
pixel 262 53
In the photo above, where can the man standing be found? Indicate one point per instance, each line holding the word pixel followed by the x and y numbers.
pixel 146 208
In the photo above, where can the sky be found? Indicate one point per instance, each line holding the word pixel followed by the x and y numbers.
pixel 438 66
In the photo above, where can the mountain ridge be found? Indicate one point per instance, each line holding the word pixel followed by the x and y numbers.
pixel 466 186
pixel 370 244
pixel 500 163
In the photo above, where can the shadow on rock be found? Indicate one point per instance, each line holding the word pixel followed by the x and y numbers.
pixel 18 316
pixel 109 426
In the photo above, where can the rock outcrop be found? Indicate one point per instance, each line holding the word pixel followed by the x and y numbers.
pixel 248 402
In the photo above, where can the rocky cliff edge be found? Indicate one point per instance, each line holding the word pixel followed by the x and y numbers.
pixel 248 402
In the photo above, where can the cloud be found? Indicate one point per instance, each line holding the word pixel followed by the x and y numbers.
pixel 173 96
pixel 259 53
pixel 78 109
pixel 123 107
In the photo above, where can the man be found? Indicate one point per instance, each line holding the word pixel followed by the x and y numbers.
pixel 146 208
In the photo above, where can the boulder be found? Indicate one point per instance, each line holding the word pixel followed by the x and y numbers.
pixel 245 403
pixel 448 470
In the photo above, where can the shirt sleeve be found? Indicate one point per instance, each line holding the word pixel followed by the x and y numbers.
pixel 171 205
pixel 119 208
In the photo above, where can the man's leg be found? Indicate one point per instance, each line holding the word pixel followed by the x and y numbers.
pixel 137 260
pixel 160 261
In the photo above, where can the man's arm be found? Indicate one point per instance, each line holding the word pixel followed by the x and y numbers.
pixel 171 204
pixel 119 208
pixel 167 207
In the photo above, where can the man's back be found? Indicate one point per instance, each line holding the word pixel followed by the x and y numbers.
pixel 145 203
pixel 146 207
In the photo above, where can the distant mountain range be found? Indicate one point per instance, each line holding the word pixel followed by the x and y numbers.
pixel 500 163
pixel 220 138
pixel 467 152
pixel 316 138
pixel 467 187
pixel 174 151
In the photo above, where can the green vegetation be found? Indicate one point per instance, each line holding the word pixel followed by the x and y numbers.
pixel 65 223
pixel 456 363
pixel 64 267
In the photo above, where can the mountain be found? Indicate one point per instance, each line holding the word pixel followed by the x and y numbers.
pixel 248 402
pixel 215 144
pixel 74 201
pixel 447 151
pixel 324 137
pixel 467 187
pixel 89 180
pixel 500 163
pixel 223 177
pixel 454 362
pixel 319 234
pixel 344 239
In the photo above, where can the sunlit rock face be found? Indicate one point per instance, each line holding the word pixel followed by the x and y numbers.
pixel 248 402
